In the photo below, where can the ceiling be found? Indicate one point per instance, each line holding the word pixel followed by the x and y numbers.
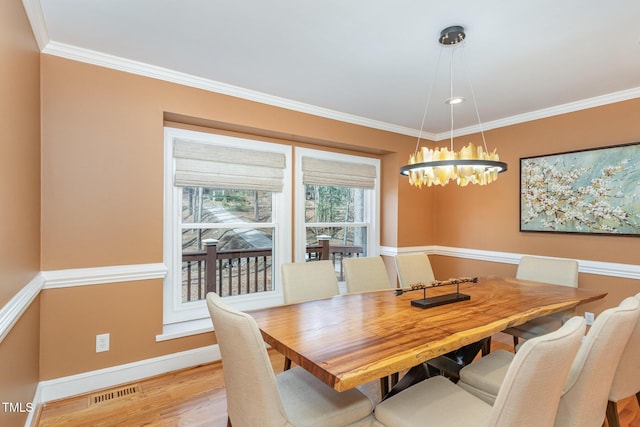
pixel 369 62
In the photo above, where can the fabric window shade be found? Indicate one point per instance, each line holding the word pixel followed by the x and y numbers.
pixel 205 165
pixel 338 174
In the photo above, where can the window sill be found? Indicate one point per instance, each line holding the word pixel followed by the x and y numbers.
pixel 185 329
pixel 204 325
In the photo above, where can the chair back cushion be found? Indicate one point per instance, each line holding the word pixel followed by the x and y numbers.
pixel 530 392
pixel 414 268
pixel 626 381
pixel 365 274
pixel 548 270
pixel 585 394
pixel 303 281
pixel 253 398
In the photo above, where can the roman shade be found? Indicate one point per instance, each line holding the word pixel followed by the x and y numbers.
pixel 205 165
pixel 339 174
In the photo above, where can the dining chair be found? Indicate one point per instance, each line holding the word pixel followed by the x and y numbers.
pixel 365 274
pixel 546 270
pixel 584 396
pixel 626 381
pixel 414 268
pixel 529 395
pixel 257 397
pixel 303 281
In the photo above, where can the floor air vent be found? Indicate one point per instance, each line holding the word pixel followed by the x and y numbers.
pixel 112 394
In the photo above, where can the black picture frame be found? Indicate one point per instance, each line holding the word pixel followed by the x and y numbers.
pixel 592 191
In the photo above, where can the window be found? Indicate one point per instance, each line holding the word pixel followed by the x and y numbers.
pixel 339 197
pixel 230 232
pixel 228 225
pixel 227 213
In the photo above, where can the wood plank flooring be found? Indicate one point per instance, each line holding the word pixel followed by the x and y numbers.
pixel 196 397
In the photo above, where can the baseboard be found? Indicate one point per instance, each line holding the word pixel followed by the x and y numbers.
pixel 86 382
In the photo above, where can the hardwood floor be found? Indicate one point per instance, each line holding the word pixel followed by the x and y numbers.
pixel 196 397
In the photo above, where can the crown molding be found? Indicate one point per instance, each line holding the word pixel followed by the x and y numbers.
pixel 570 107
pixel 34 12
pixel 33 9
pixel 139 68
pixel 134 67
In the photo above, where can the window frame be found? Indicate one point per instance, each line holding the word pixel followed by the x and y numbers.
pixel 174 310
pixel 372 202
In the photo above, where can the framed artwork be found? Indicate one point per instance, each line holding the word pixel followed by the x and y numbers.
pixel 595 191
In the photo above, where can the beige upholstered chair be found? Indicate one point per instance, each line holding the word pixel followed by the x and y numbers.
pixel 414 268
pixel 529 395
pixel 365 274
pixel 258 397
pixel 584 397
pixel 626 381
pixel 303 281
pixel 547 270
pixel 369 274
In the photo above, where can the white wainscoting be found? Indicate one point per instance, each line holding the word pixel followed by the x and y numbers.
pixel 102 275
pixel 16 306
pixel 627 271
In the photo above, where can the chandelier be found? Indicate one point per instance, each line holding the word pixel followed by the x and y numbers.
pixel 470 165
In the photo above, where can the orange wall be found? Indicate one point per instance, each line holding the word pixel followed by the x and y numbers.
pixel 102 149
pixel 20 202
pixel 19 151
pixel 131 312
pixel 102 175
pixel 487 218
pixel 102 142
pixel 102 157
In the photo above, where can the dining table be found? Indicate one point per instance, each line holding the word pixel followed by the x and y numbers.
pixel 351 339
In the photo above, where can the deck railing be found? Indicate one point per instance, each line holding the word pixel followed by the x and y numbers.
pixel 245 271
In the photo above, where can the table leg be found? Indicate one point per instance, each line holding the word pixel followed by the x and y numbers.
pixel 459 358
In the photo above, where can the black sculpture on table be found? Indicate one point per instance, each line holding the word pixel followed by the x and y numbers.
pixel 440 299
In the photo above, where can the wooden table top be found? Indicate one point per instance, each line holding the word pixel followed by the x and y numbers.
pixel 349 340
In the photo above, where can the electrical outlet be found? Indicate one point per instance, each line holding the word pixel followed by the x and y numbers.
pixel 589 317
pixel 102 343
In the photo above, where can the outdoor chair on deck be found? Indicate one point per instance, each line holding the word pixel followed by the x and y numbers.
pixel 546 270
pixel 529 396
pixel 257 397
pixel 584 396
pixel 303 281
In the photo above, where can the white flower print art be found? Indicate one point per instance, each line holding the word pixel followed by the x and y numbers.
pixel 591 191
